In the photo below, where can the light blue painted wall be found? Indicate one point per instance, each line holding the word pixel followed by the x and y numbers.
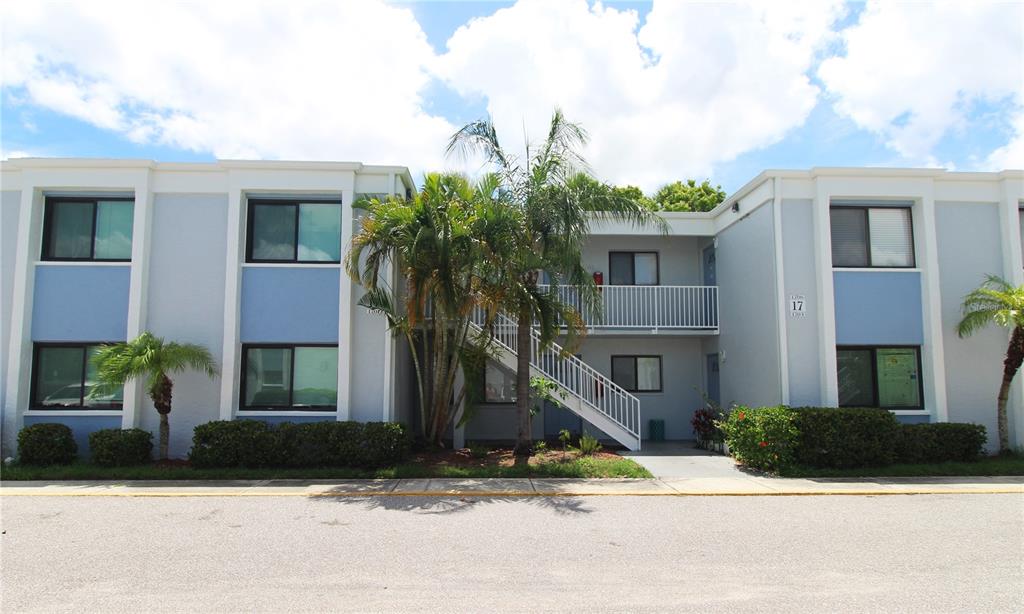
pixel 80 427
pixel 290 304
pixel 801 278
pixel 186 301
pixel 274 420
pixel 974 365
pixel 913 419
pixel 80 303
pixel 878 308
pixel 749 370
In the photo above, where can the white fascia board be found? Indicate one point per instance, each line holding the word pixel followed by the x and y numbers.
pixel 74 163
pixel 289 165
pixel 687 224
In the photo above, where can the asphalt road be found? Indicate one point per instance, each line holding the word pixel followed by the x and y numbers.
pixel 942 553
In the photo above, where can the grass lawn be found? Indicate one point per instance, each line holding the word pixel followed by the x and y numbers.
pixel 442 464
pixel 1011 464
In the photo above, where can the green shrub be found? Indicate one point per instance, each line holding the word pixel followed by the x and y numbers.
pixel 386 443
pixel 234 443
pixel 46 444
pixel 478 450
pixel 120 447
pixel 940 442
pixel 253 443
pixel 589 445
pixel 840 438
pixel 762 438
pixel 310 444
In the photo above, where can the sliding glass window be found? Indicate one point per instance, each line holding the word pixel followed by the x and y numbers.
pixel 64 377
pixel 88 229
pixel 888 377
pixel 294 231
pixel 289 377
pixel 637 373
pixel 876 237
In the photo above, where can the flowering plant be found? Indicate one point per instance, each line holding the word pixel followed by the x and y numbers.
pixel 704 426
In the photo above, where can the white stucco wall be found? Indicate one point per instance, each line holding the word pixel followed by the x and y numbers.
pixel 973 366
pixel 186 302
pixel 748 342
pixel 678 257
pixel 801 278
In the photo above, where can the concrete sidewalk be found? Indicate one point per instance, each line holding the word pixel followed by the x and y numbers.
pixel 524 487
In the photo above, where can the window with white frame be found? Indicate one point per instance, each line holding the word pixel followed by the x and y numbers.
pixel 300 231
pixel 874 237
pixel 289 377
pixel 637 373
pixel 633 268
pixel 499 385
pixel 64 376
pixel 91 229
pixel 888 377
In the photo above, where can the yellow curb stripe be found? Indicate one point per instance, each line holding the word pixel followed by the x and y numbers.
pixel 521 494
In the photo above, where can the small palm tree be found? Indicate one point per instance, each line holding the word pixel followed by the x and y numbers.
pixel 556 202
pixel 997 302
pixel 150 357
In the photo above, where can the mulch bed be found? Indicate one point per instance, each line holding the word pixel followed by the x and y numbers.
pixel 497 457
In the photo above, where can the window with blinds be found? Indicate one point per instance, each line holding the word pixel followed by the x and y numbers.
pixel 880 237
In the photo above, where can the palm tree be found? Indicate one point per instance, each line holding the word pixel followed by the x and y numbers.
pixel 440 241
pixel 151 358
pixel 557 201
pixel 997 302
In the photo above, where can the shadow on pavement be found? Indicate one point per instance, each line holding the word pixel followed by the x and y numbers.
pixel 455 504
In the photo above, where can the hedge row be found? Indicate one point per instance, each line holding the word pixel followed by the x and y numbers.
pixel 253 443
pixel 240 443
pixel 771 438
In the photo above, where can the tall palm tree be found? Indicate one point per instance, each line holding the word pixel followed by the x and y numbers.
pixel 440 242
pixel 151 358
pixel 557 201
pixel 997 302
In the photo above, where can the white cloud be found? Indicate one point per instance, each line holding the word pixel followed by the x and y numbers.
pixel 912 72
pixel 302 80
pixel 697 84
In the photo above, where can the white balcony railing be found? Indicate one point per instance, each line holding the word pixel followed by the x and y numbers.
pixel 653 307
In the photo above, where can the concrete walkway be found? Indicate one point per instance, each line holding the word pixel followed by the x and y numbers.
pixel 683 459
pixel 525 487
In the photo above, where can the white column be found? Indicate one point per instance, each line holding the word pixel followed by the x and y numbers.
pixel 825 296
pixel 780 291
pixel 345 313
pixel 1013 271
pixel 230 353
pixel 138 290
pixel 20 346
pixel 932 354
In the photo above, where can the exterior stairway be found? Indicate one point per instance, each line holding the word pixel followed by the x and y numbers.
pixel 582 390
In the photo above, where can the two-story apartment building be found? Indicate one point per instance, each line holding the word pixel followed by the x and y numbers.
pixel 823 287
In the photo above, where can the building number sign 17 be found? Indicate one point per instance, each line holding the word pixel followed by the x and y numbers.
pixel 797 305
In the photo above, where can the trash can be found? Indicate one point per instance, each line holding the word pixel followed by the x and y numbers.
pixel 656 430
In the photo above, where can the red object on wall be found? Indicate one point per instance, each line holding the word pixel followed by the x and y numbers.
pixel 598 278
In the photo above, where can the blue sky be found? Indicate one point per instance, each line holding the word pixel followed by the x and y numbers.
pixel 667 90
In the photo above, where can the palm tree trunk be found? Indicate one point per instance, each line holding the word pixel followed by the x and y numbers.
pixel 524 439
pixel 161 396
pixel 165 436
pixel 1014 358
